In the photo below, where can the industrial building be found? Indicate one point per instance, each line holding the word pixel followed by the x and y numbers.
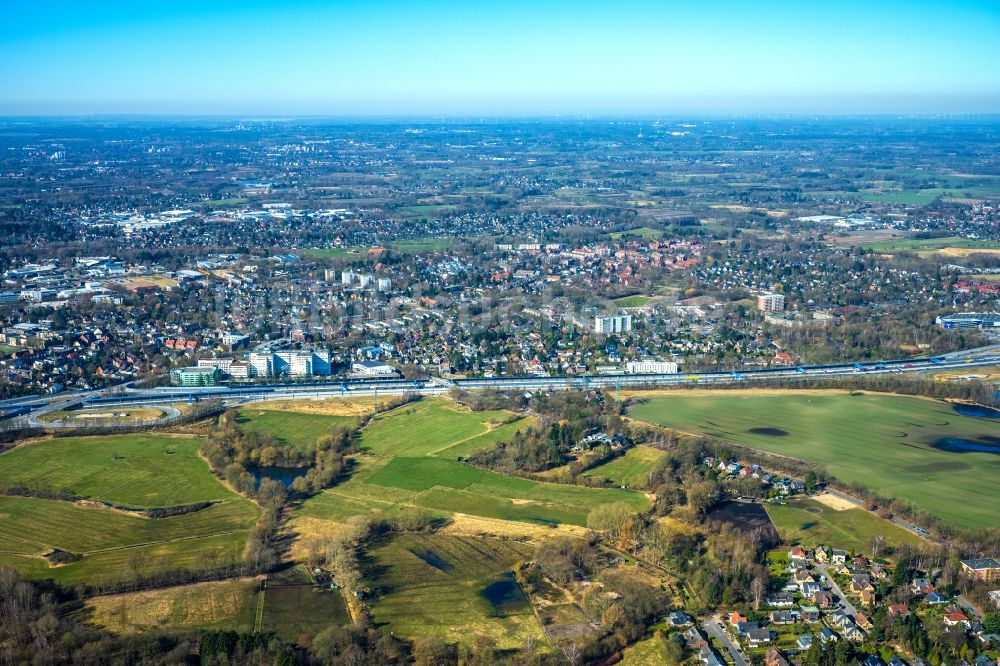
pixel 970 320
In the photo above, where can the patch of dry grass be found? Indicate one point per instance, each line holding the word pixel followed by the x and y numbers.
pixel 213 604
pixel 324 406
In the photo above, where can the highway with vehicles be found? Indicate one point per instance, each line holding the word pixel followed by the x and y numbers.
pixel 126 395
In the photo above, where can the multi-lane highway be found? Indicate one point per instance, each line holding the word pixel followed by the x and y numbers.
pixel 126 395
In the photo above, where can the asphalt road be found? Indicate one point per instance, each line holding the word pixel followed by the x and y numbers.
pixel 713 627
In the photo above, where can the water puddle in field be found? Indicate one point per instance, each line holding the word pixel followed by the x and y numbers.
pixel 977 411
pixel 504 595
pixel 956 445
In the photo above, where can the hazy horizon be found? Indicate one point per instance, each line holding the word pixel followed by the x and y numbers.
pixel 350 58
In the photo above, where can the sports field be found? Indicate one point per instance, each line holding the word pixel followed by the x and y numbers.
pixel 810 524
pixel 453 587
pixel 130 470
pixel 296 428
pixel 893 444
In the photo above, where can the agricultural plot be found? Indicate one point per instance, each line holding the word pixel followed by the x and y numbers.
pixel 227 604
pixel 630 469
pixel 111 542
pixel 294 606
pixel 296 428
pixel 113 545
pixel 456 588
pixel 810 524
pixel 128 470
pixel 436 427
pixel 922 451
pixel 413 463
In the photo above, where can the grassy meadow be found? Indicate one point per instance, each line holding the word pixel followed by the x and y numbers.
pixel 630 469
pixel 810 524
pixel 136 471
pixel 452 587
pixel 883 442
pixel 131 470
pixel 296 428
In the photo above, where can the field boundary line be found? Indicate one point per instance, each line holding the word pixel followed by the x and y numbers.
pixel 258 619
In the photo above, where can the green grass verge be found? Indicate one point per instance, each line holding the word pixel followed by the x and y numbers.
pixel 883 442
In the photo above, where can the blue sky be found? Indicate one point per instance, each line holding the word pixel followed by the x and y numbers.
pixel 486 57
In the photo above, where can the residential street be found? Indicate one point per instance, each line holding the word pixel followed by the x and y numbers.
pixel 844 600
pixel 711 627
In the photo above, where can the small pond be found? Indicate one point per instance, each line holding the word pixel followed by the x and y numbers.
pixel 977 411
pixel 285 475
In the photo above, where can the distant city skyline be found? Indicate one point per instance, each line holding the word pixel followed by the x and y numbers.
pixel 490 58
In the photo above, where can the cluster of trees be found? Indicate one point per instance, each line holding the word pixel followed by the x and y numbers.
pixel 234 452
pixel 34 631
pixel 566 417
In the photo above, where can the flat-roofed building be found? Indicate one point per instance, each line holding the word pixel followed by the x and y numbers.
pixel 613 324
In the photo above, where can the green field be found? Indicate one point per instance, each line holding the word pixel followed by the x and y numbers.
pixel 633 301
pixel 108 540
pixel 880 441
pixel 647 233
pixel 327 253
pixel 631 469
pixel 421 246
pixel 412 461
pixel 810 524
pixel 930 244
pixel 456 588
pixel 438 427
pixel 130 470
pixel 296 428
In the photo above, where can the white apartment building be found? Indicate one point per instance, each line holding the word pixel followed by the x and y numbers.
pixel 651 367
pixel 293 363
pixel 615 324
pixel 770 302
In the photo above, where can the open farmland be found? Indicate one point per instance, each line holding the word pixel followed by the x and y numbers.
pixel 226 604
pixel 903 447
pixel 111 542
pixel 297 428
pixel 411 461
pixel 130 470
pixel 438 427
pixel 453 587
pixel 810 524
pixel 294 605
